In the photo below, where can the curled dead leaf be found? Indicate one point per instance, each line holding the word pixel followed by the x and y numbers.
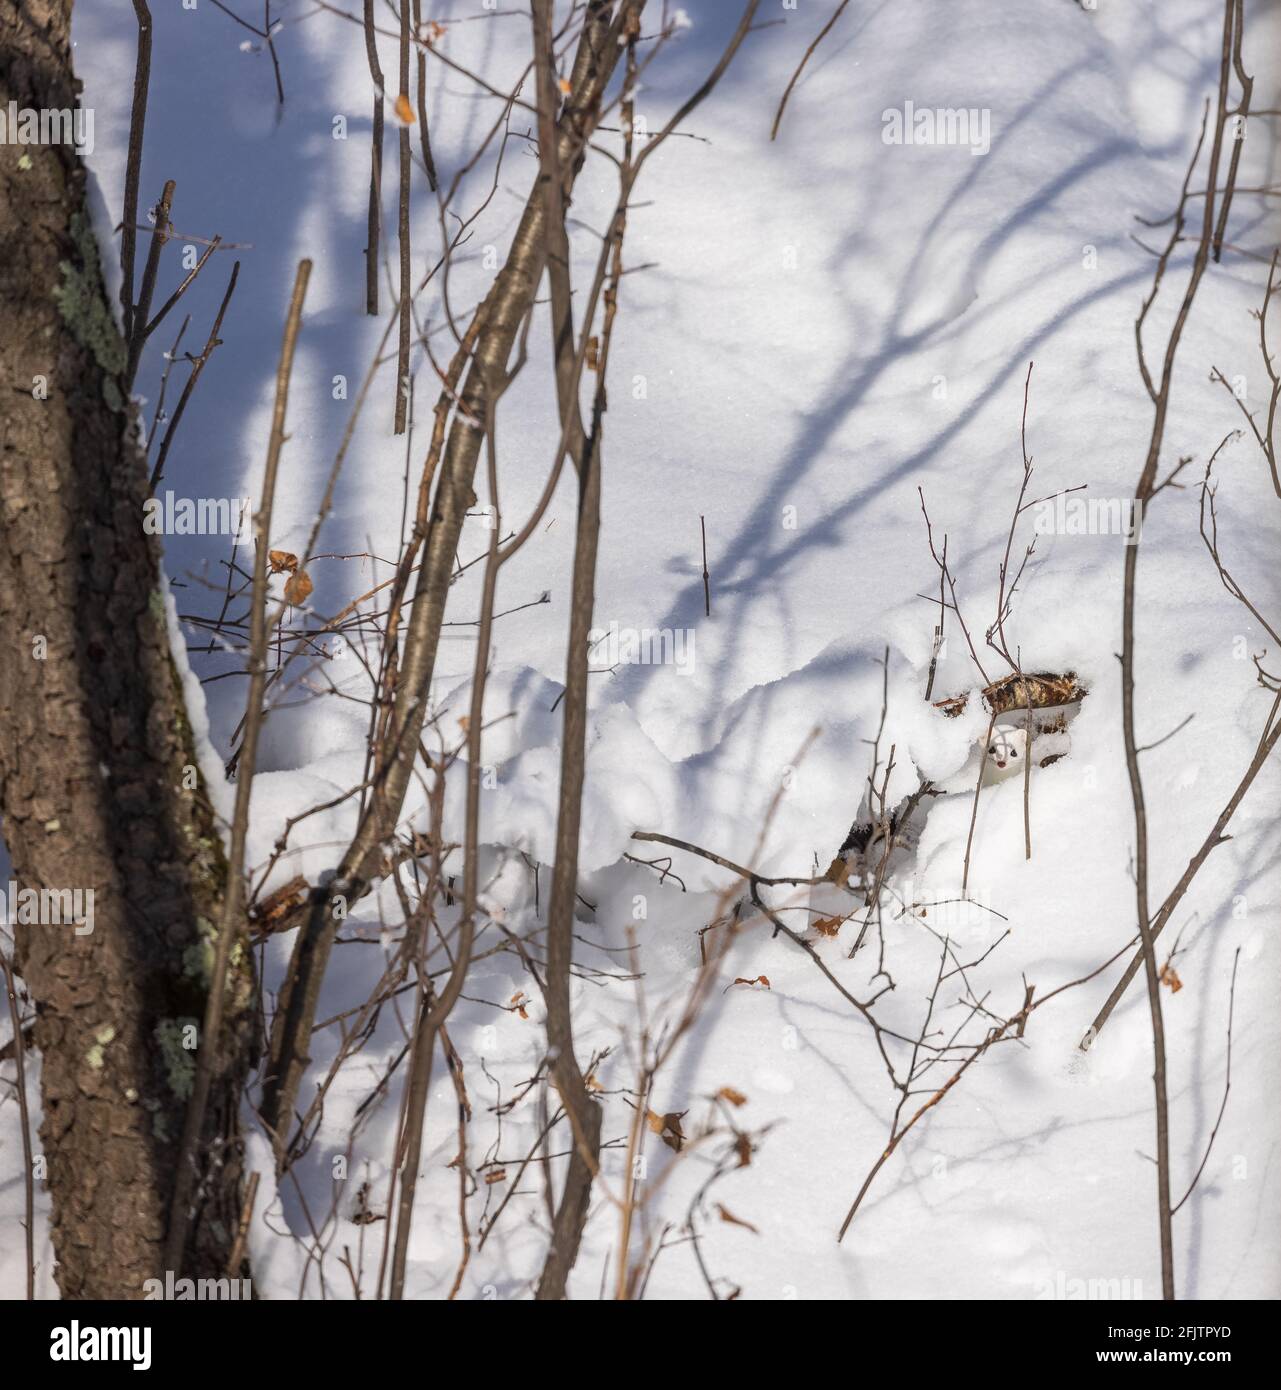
pixel 1169 976
pixel 728 1093
pixel 828 926
pixel 282 560
pixel 298 587
pixel 838 872
pixel 404 112
pixel 728 1216
pixel 667 1127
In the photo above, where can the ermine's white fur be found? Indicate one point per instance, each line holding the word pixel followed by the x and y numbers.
pixel 1005 755
pixel 1007 751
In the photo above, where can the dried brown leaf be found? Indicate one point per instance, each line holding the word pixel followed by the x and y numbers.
pixel 838 871
pixel 298 587
pixel 728 1216
pixel 667 1127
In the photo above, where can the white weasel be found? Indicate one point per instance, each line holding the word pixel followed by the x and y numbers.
pixel 1006 752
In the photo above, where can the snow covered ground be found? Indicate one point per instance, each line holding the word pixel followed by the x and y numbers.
pixel 830 323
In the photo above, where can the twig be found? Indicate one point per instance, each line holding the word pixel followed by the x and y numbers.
pixel 974 808
pixel 24 1122
pixel 373 235
pixel 500 319
pixel 268 31
pixel 1143 494
pixel 584 1114
pixel 133 163
pixel 1017 1023
pixel 231 926
pixel 237 1256
pixel 181 290
pixel 159 237
pixel 1240 115
pixel 938 627
pixel 428 162
pixel 800 67
pixel 432 1016
pixel 1268 741
pixel 1227 1087
pixel 406 167
pixel 198 366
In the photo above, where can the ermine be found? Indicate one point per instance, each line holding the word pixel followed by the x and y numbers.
pixel 1007 752
pixel 1005 755
pixel 1007 747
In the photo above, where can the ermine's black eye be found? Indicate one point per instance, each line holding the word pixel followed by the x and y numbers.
pixel 992 749
pixel 1014 752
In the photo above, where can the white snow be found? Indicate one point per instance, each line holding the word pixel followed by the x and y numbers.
pixel 830 324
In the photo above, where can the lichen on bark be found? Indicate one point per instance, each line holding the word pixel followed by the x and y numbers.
pixel 81 298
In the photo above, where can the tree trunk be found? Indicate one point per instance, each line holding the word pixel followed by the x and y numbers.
pixel 99 786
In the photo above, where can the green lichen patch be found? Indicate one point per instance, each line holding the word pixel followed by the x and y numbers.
pixel 82 302
pixel 94 1057
pixel 179 1061
pixel 198 958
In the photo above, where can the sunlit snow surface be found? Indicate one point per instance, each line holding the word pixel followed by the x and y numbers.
pixel 828 324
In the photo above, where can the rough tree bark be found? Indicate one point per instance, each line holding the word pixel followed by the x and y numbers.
pixel 99 786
